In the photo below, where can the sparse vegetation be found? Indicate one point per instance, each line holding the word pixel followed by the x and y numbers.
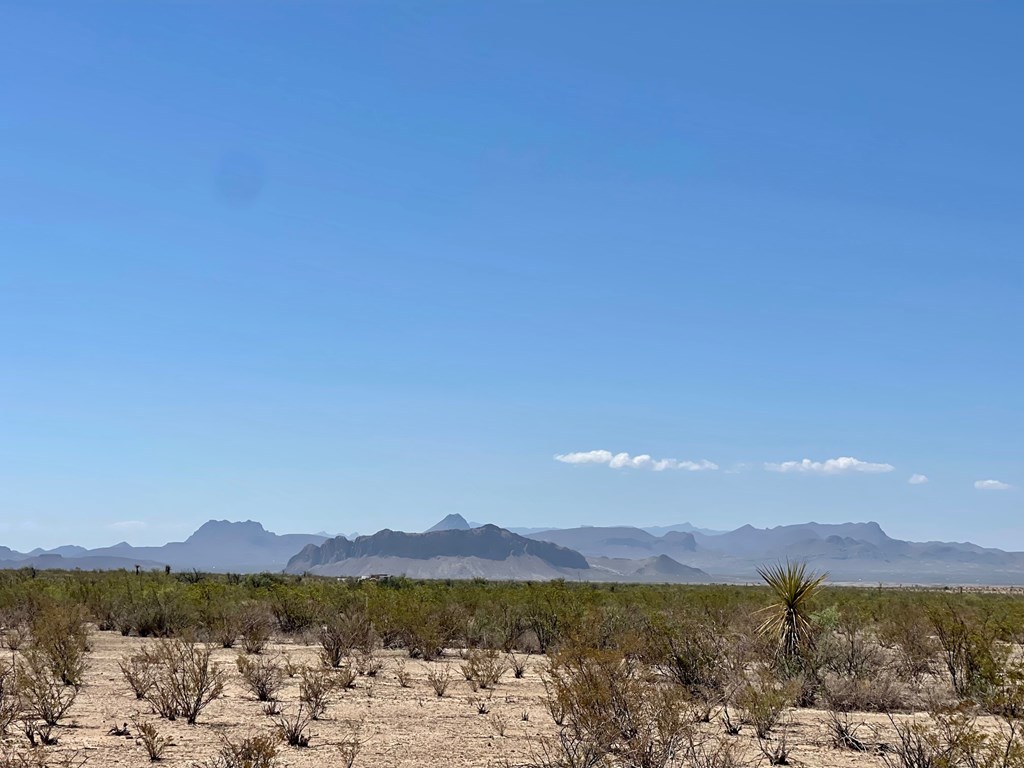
pixel 439 678
pixel 186 680
pixel 484 668
pixel 42 695
pixel 294 729
pixel 250 752
pixel 154 744
pixel 635 675
pixel 263 676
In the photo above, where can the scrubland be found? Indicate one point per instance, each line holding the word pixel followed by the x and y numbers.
pixel 110 669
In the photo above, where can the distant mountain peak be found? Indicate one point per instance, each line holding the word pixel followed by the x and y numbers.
pixel 228 532
pixel 453 522
pixel 433 550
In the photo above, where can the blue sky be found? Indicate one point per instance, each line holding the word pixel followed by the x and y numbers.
pixel 351 265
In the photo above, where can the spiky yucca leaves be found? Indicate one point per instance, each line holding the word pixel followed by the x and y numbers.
pixel 789 619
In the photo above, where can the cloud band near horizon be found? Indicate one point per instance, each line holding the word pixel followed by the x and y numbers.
pixel 640 461
pixel 842 465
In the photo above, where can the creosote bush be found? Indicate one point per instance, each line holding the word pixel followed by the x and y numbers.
pixel 60 635
pixel 139 671
pixel 970 650
pixel 610 707
pixel 41 694
pixel 293 730
pixel 342 634
pixel 250 752
pixel 10 704
pixel 484 668
pixel 439 679
pixel 953 739
pixel 148 734
pixel 254 626
pixel 762 703
pixel 315 690
pixel 185 681
pixel 262 676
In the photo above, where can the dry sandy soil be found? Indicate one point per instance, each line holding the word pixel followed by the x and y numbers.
pixel 399 727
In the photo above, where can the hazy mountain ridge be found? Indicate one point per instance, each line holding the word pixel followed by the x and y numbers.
pixel 849 551
pixel 487 543
pixel 455 548
pixel 482 552
pixel 217 545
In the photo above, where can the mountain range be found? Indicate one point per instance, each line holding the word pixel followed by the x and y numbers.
pixel 217 546
pixel 457 548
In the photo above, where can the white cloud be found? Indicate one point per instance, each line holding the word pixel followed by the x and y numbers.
pixel 991 485
pixel 640 461
pixel 585 457
pixel 918 479
pixel 127 525
pixel 840 466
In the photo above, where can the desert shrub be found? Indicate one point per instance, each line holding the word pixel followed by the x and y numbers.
pixel 16 758
pixel 509 624
pixel 880 693
pixel 10 705
pixel 517 664
pixel 909 634
pixel 262 676
pixel 343 633
pixel 774 749
pixel 186 680
pixel 38 733
pixel 763 702
pixel 969 649
pixel 367 663
pixel 484 668
pixel 567 749
pixel 403 676
pixel 15 626
pixel 439 678
pixel 425 629
pixel 350 746
pixel 499 722
pixel 154 744
pixel 315 690
pixel 139 671
pixel 843 732
pixel 694 654
pixel 951 740
pixel 1006 697
pixel 708 752
pixel 250 752
pixel 15 636
pixel 294 611
pixel 60 635
pixel 254 627
pixel 293 730
pixel 850 651
pixel 159 612
pixel 42 695
pixel 291 669
pixel 225 626
pixel 954 739
pixel 611 706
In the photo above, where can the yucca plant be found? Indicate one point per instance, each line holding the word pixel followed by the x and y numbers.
pixel 789 618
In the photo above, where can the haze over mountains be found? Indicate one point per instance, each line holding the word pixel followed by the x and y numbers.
pixel 218 545
pixel 457 548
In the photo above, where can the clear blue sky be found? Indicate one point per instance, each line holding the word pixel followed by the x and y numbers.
pixel 350 265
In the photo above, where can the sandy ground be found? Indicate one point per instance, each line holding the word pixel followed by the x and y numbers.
pixel 399 727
